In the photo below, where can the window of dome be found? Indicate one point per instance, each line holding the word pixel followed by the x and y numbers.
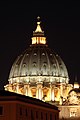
pixel 24 64
pixel 43 53
pixel 27 54
pixel 51 54
pixel 35 54
pixel 56 54
pixel 34 63
pixel 54 65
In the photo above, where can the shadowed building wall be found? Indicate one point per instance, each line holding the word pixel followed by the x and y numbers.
pixel 19 107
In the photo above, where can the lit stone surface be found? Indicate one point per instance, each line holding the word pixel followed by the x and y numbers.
pixel 40 73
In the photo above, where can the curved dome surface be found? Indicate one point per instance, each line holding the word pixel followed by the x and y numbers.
pixel 39 60
pixel 38 63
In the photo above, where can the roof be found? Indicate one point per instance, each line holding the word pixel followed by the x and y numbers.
pixel 10 96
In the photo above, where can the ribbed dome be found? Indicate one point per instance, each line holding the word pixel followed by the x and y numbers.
pixel 38 60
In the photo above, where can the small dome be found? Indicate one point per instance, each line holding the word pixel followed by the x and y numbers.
pixel 76 90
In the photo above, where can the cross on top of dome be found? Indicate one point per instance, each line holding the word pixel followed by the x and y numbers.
pixel 38 29
pixel 38 17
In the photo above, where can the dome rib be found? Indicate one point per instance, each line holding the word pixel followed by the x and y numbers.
pixel 12 74
pixel 30 60
pixel 21 65
pixel 57 65
pixel 47 59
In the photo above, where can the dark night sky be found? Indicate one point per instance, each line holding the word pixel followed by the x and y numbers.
pixel 60 22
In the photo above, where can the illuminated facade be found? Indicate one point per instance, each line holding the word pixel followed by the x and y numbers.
pixel 70 109
pixel 40 73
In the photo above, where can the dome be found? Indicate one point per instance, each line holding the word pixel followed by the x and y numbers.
pixel 39 72
pixel 75 90
pixel 38 61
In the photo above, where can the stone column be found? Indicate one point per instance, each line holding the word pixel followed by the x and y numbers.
pixel 27 89
pixel 39 90
pixel 17 88
pixel 52 93
pixel 61 89
pixel 52 96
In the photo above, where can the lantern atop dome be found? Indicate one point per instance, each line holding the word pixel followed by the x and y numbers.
pixel 38 34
